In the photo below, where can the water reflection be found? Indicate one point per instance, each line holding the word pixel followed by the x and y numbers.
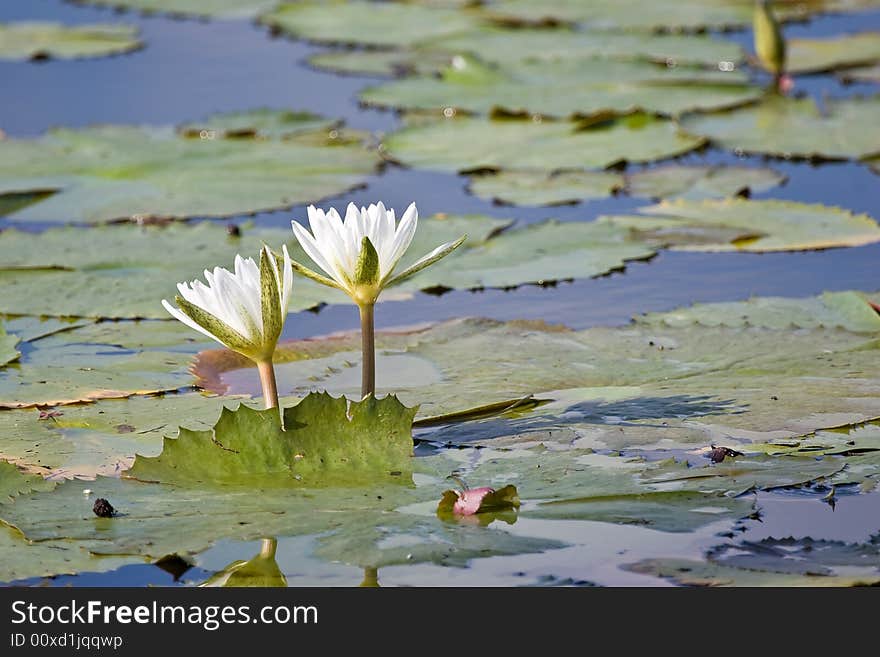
pixel 260 571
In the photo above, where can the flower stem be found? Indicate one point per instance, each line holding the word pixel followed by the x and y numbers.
pixel 267 379
pixel 368 347
pixel 268 547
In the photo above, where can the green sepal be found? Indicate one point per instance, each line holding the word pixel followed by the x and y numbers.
pixel 366 271
pixel 270 298
pixel 426 262
pixel 315 276
pixel 215 326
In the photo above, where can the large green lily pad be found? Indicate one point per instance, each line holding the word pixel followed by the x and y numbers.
pixel 43 40
pixel 663 14
pixel 567 88
pixel 862 74
pixel 469 144
pixel 649 384
pixel 323 441
pixel 111 172
pixel 795 127
pixel 752 226
pixel 699 182
pixel 220 9
pixel 820 55
pixel 545 187
pixel 394 24
pixel 100 361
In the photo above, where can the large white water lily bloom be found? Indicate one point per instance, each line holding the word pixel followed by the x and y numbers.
pixel 359 254
pixel 243 310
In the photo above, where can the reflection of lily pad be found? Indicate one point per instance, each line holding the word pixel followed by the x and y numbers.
pixel 795 127
pixel 467 144
pixel 567 88
pixel 42 40
pixel 819 55
pixel 122 172
pixel 805 556
pixel 224 9
pixel 753 226
pixel 323 442
pixel 698 182
pixel 543 187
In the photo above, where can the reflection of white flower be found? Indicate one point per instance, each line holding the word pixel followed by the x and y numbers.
pixel 359 254
pixel 245 310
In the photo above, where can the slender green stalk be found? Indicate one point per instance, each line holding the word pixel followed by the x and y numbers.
pixel 267 379
pixel 368 347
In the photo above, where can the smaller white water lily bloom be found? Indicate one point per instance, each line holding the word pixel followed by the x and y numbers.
pixel 359 255
pixel 243 310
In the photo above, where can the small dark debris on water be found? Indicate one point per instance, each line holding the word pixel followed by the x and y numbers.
pixel 103 508
pixel 50 415
pixel 718 454
pixel 233 230
pixel 124 428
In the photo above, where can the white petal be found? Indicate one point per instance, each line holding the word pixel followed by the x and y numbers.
pixel 406 229
pixel 286 282
pixel 310 246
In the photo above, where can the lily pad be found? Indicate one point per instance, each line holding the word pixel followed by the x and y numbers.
pixel 802 556
pixel 323 441
pixel 846 310
pixel 795 127
pixel 393 24
pixel 662 14
pixel 543 187
pixel 8 343
pixel 44 40
pixel 567 88
pixel 751 226
pixel 648 384
pixel 862 74
pixel 821 55
pixel 100 361
pixel 391 63
pixel 109 173
pixel 219 9
pixel 260 123
pixel 123 271
pixel 469 143
pixel 699 182
pixel 14 482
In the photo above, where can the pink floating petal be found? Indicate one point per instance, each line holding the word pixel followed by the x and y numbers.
pixel 468 502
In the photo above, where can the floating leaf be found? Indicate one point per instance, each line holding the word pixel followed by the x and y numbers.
pixel 381 62
pixel 752 226
pixel 699 182
pixel 846 310
pixel 616 388
pixel 111 172
pixel 661 14
pixel 543 187
pixel 44 40
pixel 324 441
pixel 261 123
pixel 468 144
pixel 862 74
pixel 567 88
pixel 802 556
pixel 369 23
pixel 221 9
pixel 795 127
pixel 820 55
pixel 100 361
pixel 14 482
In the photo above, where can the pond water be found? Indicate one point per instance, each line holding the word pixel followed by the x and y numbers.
pixel 193 68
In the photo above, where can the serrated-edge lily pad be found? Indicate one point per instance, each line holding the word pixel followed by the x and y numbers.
pixel 470 144
pixel 117 172
pixel 751 226
pixel 44 40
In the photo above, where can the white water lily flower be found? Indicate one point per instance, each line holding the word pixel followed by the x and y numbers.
pixel 244 310
pixel 359 254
